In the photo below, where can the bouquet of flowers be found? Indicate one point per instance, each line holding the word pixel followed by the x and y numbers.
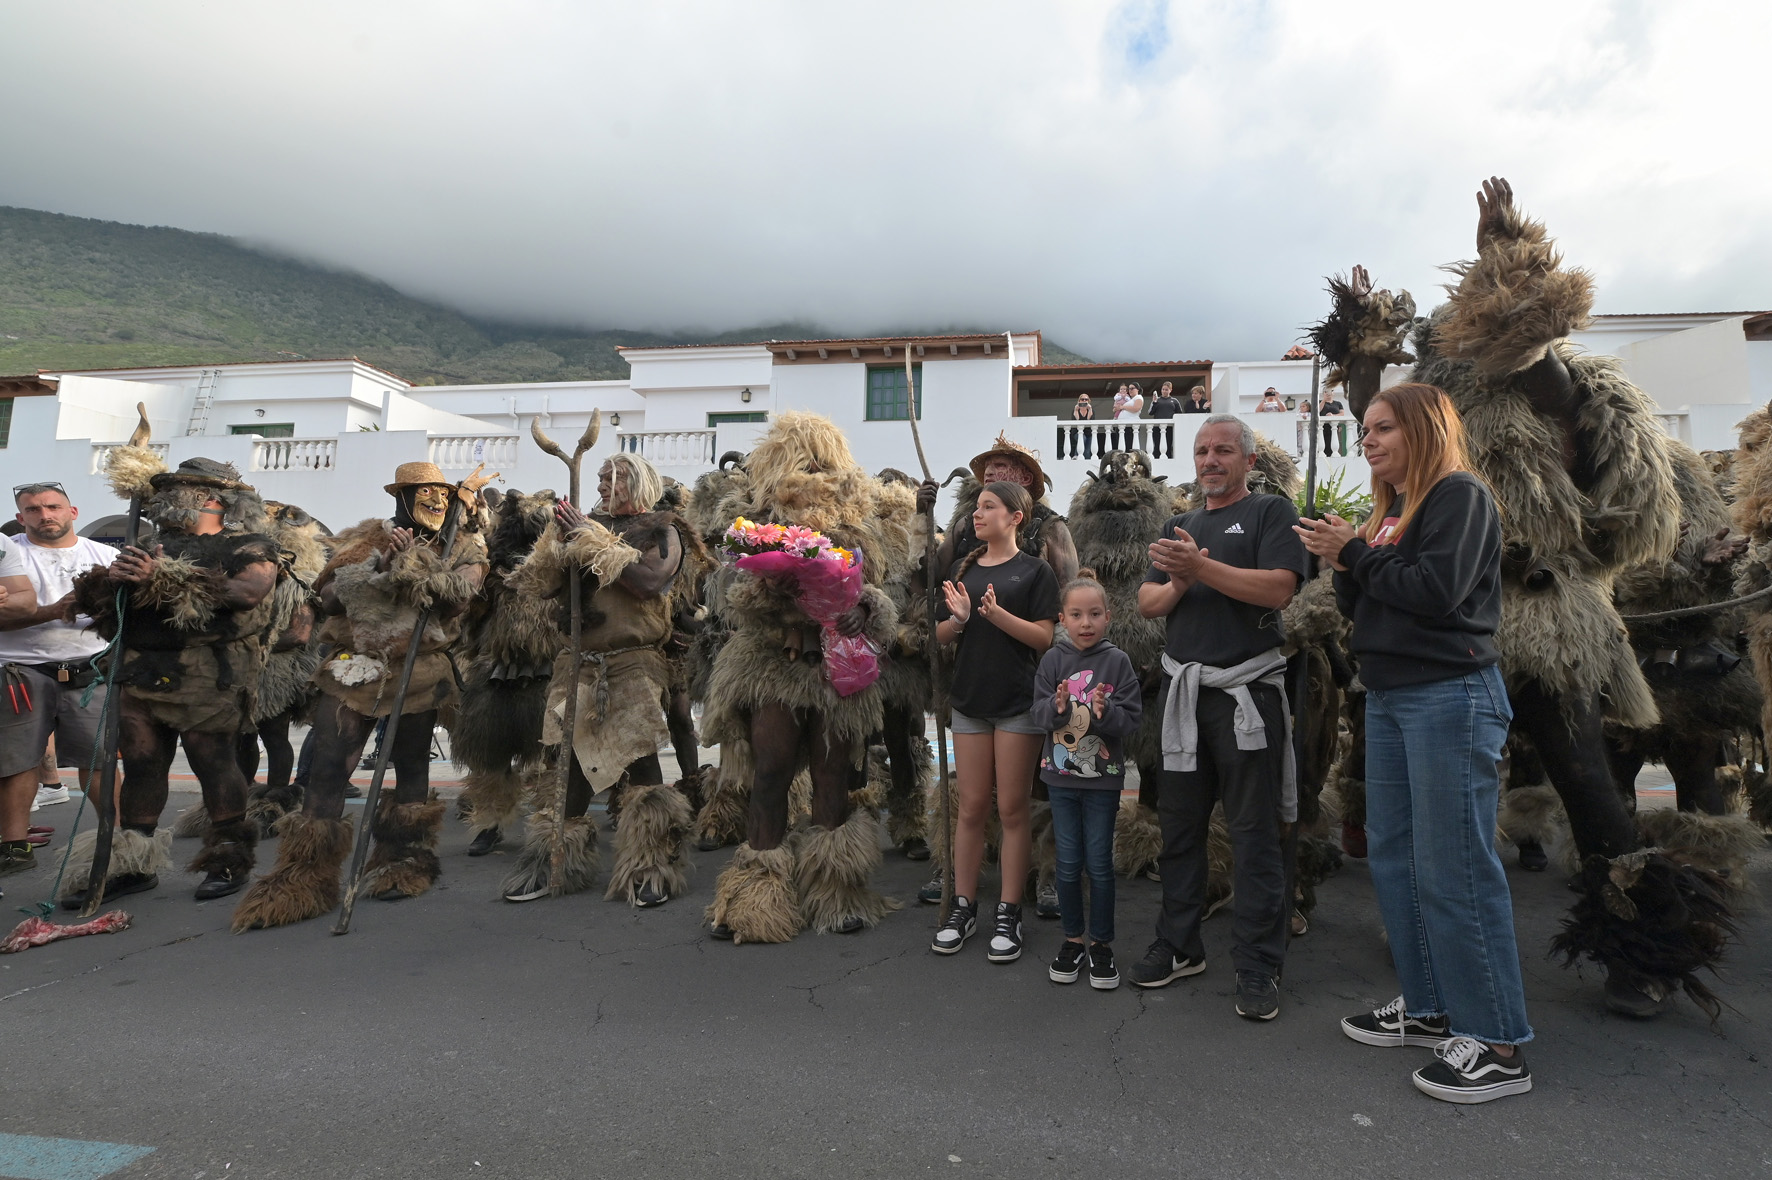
pixel 827 581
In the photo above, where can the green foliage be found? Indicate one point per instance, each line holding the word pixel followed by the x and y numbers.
pixel 1341 496
pixel 82 294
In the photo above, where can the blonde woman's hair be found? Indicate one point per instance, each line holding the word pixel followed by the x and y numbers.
pixel 1431 426
pixel 644 485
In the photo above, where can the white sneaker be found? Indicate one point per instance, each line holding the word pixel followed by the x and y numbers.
pixel 49 797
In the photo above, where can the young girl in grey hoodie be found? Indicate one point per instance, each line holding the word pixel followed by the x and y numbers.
pixel 1087 700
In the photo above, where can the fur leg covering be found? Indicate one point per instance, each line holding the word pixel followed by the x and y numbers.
pixel 652 844
pixel 1658 920
pixel 305 881
pixel 1138 839
pixel 131 853
pixel 228 848
pixel 578 867
pixel 404 859
pixel 1532 815
pixel 909 818
pixel 1720 843
pixel 939 851
pixel 832 871
pixel 1317 861
pixel 755 896
pixel 267 808
pixel 800 797
pixel 721 820
pixel 192 823
pixel 489 799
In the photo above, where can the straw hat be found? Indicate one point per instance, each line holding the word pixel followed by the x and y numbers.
pixel 409 475
pixel 1010 449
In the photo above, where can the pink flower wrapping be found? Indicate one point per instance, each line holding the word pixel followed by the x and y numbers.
pixel 826 587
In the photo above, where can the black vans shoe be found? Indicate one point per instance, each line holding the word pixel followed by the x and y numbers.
pixel 1005 946
pixel 1392 1028
pixel 962 921
pixel 1103 975
pixel 1258 996
pixel 1069 963
pixel 1468 1071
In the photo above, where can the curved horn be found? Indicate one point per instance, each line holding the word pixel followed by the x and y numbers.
pixel 589 438
pixel 543 441
pixel 139 438
pixel 731 459
pixel 957 473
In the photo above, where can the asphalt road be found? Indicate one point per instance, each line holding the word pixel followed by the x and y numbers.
pixel 458 1035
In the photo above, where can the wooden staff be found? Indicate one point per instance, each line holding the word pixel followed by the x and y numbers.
pixel 569 723
pixel 930 575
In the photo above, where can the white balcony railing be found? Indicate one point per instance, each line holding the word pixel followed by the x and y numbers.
pixel 101 454
pixel 294 454
pixel 1678 426
pixel 1092 440
pixel 669 448
pixel 464 452
pixel 1340 431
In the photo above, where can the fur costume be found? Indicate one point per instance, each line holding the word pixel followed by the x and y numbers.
pixel 721 820
pixel 1752 514
pixel 651 843
pixel 802 473
pixel 381 608
pixel 228 849
pixel 831 872
pixel 534 865
pixel 132 853
pixel 755 897
pixel 404 861
pixel 1362 334
pixel 507 651
pixel 305 881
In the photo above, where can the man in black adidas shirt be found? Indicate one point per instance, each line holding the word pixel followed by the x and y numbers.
pixel 1220 575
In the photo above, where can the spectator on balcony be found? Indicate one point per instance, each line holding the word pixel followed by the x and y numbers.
pixel 1271 403
pixel 1128 402
pixel 1198 401
pixel 1165 405
pixel 1084 410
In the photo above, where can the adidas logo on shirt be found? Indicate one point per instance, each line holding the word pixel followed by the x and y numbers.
pixel 1236 530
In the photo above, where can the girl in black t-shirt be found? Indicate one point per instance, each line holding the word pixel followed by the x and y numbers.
pixel 999 611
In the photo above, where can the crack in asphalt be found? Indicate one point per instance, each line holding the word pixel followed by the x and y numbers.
pixel 811 990
pixel 1114 1055
pixel 100 967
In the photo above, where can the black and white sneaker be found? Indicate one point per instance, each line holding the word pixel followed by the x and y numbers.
pixel 1161 965
pixel 1069 963
pixel 1390 1027
pixel 1258 996
pixel 1468 1071
pixel 961 922
pixel 1103 975
pixel 1005 945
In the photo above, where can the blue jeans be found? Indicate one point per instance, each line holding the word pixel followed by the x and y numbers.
pixel 1431 789
pixel 1083 828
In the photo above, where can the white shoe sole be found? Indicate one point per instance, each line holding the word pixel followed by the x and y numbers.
pixel 1472 1095
pixel 1263 1016
pixel 1003 956
pixel 1104 985
pixel 1181 972
pixel 1390 1040
pixel 955 949
pixel 532 895
pixel 1057 976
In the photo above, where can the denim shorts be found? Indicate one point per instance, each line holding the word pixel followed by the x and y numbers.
pixel 1019 723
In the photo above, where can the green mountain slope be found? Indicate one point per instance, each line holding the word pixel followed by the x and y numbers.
pixel 76 293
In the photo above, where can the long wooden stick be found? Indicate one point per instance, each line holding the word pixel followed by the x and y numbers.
pixel 574 584
pixel 945 809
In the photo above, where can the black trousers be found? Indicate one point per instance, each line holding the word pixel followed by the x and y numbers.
pixel 1248 783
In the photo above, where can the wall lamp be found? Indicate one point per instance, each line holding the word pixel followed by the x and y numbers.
pixel 746 395
pixel 615 419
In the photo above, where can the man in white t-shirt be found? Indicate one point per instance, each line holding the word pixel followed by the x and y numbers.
pixel 45 660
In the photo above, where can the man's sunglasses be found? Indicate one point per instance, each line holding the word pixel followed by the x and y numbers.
pixel 32 489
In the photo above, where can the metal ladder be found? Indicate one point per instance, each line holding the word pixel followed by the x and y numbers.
pixel 205 398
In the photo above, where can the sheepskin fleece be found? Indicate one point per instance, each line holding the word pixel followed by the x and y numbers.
pixel 651 843
pixel 755 896
pixel 721 820
pixel 305 882
pixel 578 855
pixel 831 871
pixel 131 852
pixel 128 470
pixel 1752 512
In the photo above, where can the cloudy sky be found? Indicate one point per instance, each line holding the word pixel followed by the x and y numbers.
pixel 1139 179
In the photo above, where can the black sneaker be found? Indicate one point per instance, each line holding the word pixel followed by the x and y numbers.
pixel 484 841
pixel 17 856
pixel 1103 975
pixel 1630 994
pixel 1161 965
pixel 915 848
pixel 1258 996
pixel 962 920
pixel 930 894
pixel 1468 1071
pixel 1390 1027
pixel 1532 857
pixel 1005 945
pixel 1069 963
pixel 221 883
pixel 115 887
